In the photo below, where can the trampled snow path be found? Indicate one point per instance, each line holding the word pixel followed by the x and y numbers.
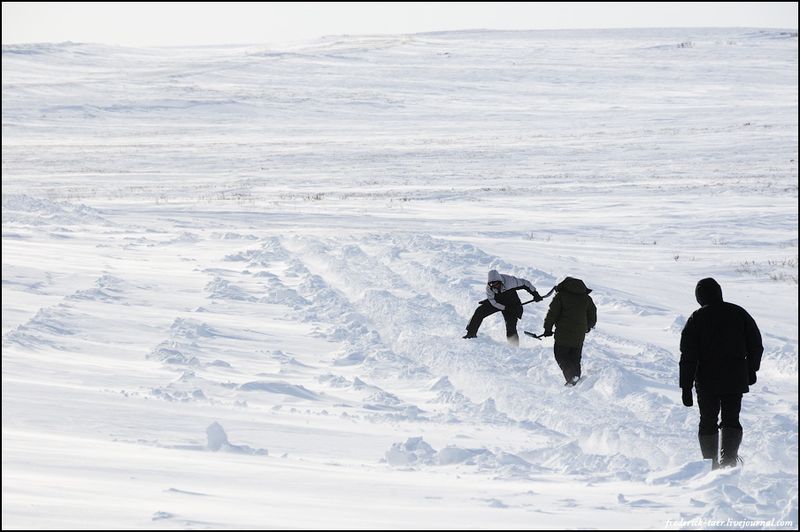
pixel 388 354
pixel 207 324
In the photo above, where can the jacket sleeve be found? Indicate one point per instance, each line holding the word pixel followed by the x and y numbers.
pixel 490 296
pixel 755 348
pixel 515 283
pixel 689 354
pixel 591 313
pixel 553 313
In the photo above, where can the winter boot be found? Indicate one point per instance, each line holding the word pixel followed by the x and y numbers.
pixel 513 340
pixel 470 335
pixel 729 453
pixel 709 446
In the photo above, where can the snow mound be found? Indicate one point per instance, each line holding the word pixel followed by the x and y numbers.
pixel 281 388
pixel 21 209
pixel 169 352
pixel 45 328
pixel 218 441
pixel 189 328
pixel 220 288
pixel 413 451
pixel 680 474
pixel 108 288
pixel 417 452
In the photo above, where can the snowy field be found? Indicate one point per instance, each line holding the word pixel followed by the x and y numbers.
pixel 235 279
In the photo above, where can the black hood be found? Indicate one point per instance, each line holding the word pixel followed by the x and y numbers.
pixel 572 285
pixel 708 291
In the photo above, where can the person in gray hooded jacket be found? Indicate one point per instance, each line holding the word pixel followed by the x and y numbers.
pixel 501 292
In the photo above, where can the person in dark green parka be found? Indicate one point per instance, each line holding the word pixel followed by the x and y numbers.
pixel 573 314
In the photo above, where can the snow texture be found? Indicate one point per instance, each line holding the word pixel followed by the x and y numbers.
pixel 285 245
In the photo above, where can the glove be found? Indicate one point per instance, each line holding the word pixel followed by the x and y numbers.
pixel 752 380
pixel 687 397
pixel 534 293
pixel 547 333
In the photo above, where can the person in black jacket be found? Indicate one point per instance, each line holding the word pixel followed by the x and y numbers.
pixel 720 354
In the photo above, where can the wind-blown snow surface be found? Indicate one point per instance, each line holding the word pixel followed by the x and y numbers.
pixel 235 279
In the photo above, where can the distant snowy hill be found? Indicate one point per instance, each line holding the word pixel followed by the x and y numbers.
pixel 235 279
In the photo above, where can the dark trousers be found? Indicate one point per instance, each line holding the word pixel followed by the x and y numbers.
pixel 487 309
pixel 710 405
pixel 569 360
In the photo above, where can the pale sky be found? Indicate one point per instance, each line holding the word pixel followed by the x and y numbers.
pixel 174 24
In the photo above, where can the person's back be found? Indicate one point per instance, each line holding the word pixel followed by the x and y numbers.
pixel 720 354
pixel 573 313
pixel 720 344
pixel 721 337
